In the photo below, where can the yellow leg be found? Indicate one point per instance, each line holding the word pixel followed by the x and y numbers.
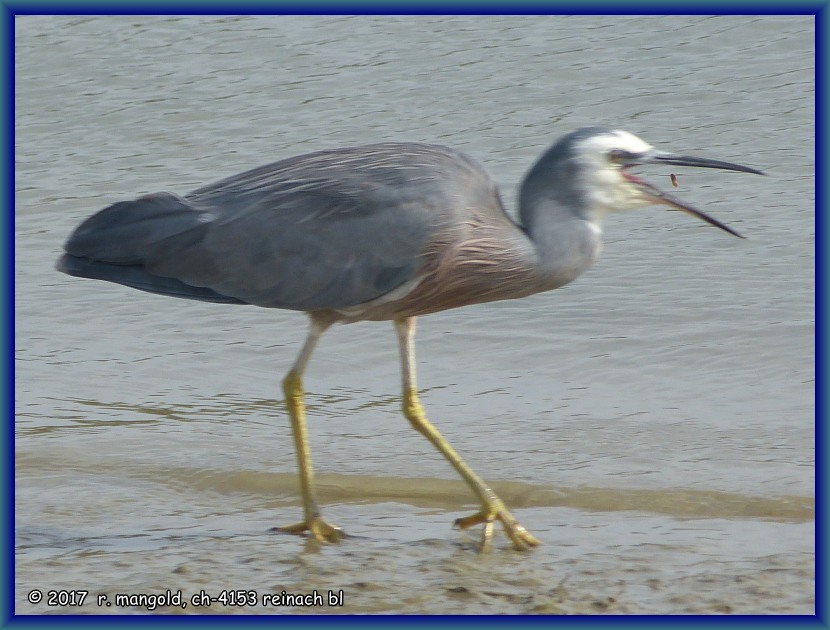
pixel 293 387
pixel 492 508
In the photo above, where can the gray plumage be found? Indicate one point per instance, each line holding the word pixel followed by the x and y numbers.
pixel 328 230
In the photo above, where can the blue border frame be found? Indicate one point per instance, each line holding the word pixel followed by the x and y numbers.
pixel 409 7
pixel 7 290
pixel 7 462
pixel 10 8
pixel 821 227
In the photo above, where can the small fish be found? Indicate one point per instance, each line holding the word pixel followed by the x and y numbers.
pixel 673 180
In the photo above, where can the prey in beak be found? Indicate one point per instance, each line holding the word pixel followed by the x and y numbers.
pixel 653 194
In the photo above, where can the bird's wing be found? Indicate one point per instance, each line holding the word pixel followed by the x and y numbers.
pixel 326 230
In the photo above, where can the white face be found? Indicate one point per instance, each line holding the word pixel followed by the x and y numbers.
pixel 609 190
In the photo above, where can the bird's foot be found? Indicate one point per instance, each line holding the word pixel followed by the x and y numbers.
pixel 521 538
pixel 317 529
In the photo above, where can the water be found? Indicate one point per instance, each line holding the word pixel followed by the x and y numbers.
pixel 652 423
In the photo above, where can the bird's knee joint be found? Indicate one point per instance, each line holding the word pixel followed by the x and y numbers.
pixel 292 385
pixel 414 412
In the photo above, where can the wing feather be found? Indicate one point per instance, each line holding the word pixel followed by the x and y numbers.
pixel 331 229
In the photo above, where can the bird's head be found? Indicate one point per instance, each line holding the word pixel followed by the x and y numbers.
pixel 595 166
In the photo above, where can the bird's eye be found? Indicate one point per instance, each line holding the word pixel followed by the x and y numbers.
pixel 620 156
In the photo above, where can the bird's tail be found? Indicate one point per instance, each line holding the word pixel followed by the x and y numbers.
pixel 115 244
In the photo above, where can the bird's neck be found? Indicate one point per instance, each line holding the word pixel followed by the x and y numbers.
pixel 567 242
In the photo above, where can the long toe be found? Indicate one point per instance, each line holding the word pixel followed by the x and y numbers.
pixel 522 539
pixel 317 528
pixel 519 536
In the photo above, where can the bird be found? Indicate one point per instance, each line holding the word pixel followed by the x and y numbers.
pixel 380 232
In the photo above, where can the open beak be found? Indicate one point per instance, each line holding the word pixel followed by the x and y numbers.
pixel 654 194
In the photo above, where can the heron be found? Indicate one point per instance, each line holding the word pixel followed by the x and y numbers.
pixel 380 232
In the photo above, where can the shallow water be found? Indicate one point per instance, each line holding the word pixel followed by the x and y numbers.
pixel 652 423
